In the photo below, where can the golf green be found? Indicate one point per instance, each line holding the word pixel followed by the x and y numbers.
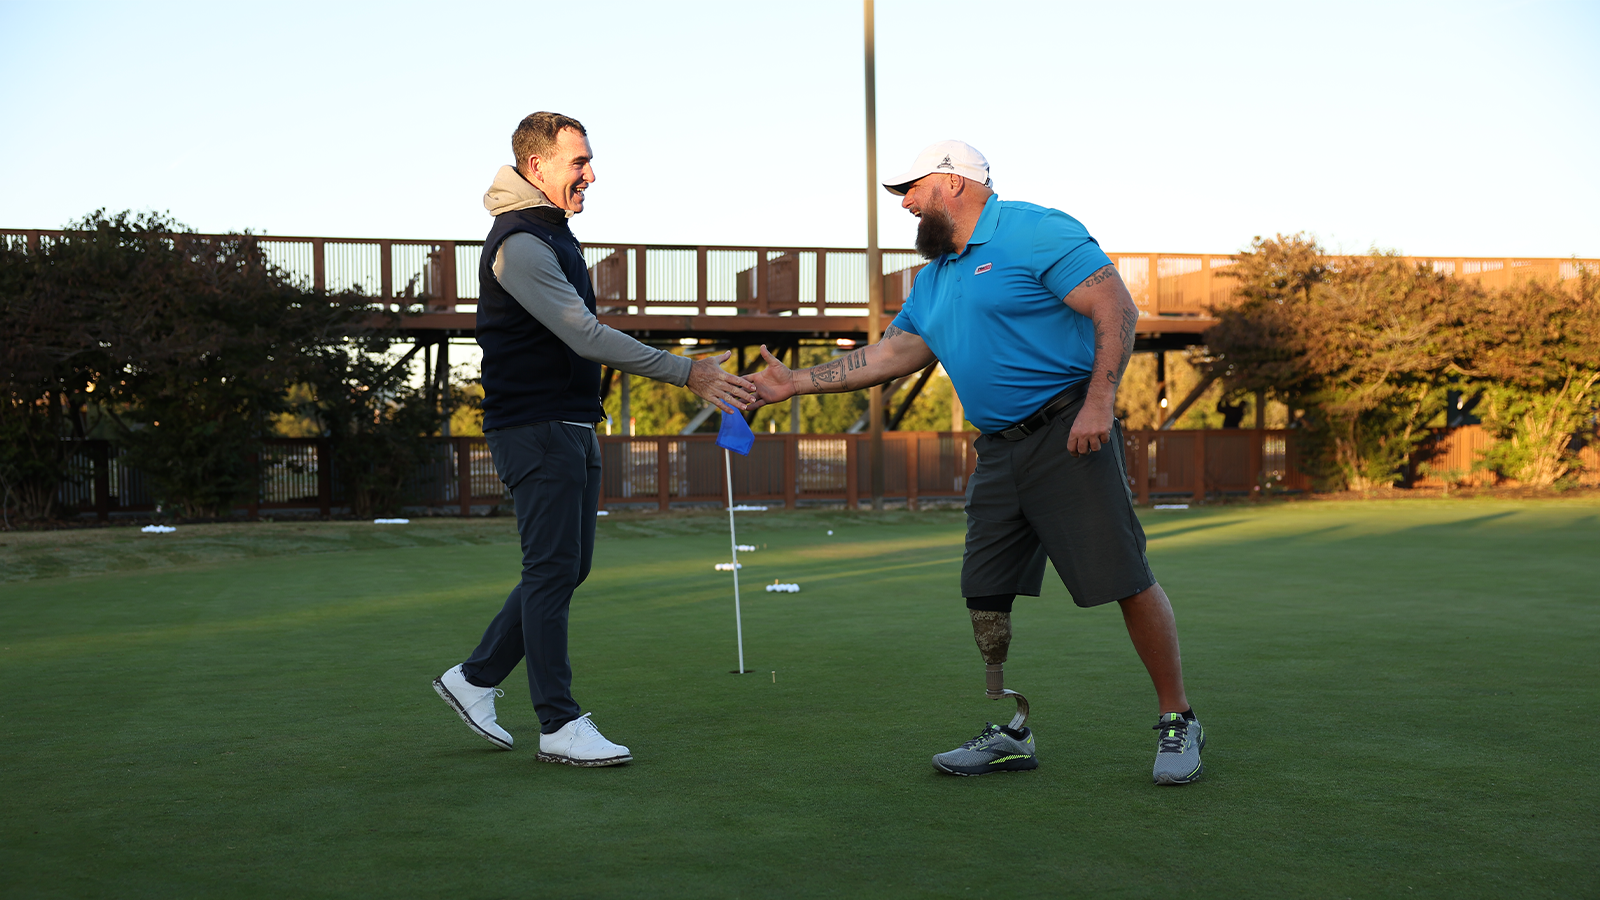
pixel 1391 692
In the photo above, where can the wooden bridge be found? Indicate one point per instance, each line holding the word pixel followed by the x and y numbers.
pixel 743 295
pixel 737 297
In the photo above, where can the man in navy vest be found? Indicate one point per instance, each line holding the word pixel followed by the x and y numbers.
pixel 542 353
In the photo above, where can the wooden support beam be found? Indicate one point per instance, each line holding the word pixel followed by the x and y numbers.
pixel 386 271
pixel 421 342
pixel 888 394
pixel 911 397
pixel 1161 386
pixel 1188 401
pixel 702 279
pixel 447 275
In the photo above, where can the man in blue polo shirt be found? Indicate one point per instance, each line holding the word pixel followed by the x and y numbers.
pixel 1035 328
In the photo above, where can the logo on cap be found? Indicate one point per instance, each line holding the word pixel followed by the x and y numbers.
pixel 947 164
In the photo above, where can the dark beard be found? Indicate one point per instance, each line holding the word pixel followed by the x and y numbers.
pixel 936 233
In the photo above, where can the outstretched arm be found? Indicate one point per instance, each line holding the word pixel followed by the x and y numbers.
pixel 1105 300
pixel 527 268
pixel 898 353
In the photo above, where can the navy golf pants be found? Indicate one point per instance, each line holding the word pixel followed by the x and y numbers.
pixel 553 470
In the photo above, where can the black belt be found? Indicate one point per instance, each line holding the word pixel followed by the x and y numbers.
pixel 1020 430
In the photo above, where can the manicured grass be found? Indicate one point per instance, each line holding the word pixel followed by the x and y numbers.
pixel 1397 697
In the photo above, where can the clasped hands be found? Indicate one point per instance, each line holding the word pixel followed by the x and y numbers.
pixel 729 392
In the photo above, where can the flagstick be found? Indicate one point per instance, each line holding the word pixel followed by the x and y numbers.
pixel 733 541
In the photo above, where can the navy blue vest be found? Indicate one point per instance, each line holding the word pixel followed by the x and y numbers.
pixel 529 375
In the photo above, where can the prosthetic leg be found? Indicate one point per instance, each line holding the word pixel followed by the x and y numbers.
pixel 1005 748
pixel 992 630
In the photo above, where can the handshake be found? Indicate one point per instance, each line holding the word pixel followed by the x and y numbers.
pixel 898 353
pixel 730 392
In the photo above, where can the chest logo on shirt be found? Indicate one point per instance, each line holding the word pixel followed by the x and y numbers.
pixel 983 268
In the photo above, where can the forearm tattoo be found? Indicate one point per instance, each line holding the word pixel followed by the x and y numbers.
pixel 1130 319
pixel 832 376
pixel 827 373
pixel 1114 366
pixel 835 372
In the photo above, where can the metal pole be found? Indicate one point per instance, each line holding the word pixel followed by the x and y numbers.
pixel 874 265
pixel 733 542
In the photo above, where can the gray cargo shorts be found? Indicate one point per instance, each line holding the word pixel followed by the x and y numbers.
pixel 1031 499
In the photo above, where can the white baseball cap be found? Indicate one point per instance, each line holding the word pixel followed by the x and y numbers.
pixel 955 157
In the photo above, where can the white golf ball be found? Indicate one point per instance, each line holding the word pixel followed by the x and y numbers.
pixel 830 531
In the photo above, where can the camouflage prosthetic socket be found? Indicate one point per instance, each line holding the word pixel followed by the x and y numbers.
pixel 992 630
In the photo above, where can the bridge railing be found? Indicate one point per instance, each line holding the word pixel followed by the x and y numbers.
pixel 442 276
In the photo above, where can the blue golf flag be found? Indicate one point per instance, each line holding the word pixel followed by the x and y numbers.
pixel 735 434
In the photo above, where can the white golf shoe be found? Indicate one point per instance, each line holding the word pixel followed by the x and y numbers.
pixel 475 705
pixel 579 743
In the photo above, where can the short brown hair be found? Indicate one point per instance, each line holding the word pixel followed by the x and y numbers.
pixel 536 135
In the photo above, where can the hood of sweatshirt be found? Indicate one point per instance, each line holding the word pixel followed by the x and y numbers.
pixel 510 191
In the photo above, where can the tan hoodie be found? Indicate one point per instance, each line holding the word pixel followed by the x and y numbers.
pixel 510 191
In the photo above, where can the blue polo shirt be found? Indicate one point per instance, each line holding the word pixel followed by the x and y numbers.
pixel 993 314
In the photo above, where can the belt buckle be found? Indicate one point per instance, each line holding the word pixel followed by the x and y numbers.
pixel 1017 432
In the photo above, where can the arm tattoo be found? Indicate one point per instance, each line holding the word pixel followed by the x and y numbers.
pixel 1130 320
pixel 836 371
pixel 1104 273
pixel 1102 330
pixel 890 332
pixel 828 373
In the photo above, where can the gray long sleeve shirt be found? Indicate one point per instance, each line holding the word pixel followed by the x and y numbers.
pixel 527 268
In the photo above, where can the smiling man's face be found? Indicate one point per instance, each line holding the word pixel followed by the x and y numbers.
pixel 567 172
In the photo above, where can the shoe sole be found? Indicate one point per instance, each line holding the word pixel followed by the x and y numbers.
pixel 583 763
pixel 1169 779
pixel 1015 765
pixel 453 703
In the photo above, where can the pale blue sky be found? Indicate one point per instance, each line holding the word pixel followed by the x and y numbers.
pixel 1433 128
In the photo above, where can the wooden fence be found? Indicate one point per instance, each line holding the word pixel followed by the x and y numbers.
pixel 790 470
pixel 662 470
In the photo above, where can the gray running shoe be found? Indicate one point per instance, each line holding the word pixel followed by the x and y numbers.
pixel 996 749
pixel 1178 746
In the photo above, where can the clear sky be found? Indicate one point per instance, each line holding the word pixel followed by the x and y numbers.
pixel 1465 128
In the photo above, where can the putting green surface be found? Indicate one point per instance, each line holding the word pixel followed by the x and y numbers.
pixel 1397 697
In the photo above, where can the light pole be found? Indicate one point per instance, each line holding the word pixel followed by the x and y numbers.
pixel 874 267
